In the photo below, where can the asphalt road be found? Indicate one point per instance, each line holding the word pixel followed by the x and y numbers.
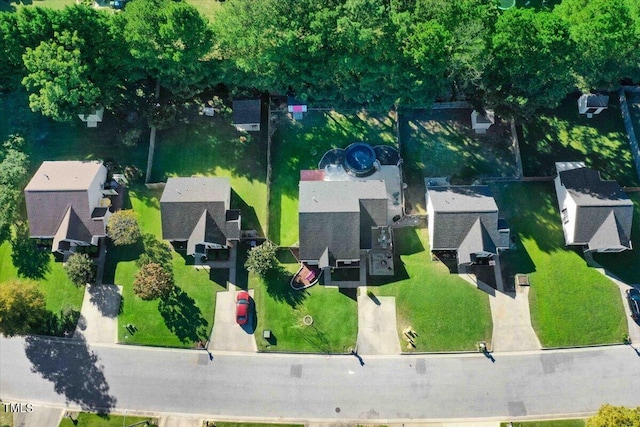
pixel 318 387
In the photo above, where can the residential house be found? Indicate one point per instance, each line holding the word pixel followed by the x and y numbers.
pixel 344 224
pixel 196 215
pixel 69 204
pixel 464 223
pixel 246 114
pixel 596 214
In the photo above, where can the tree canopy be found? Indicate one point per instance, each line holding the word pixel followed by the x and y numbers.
pixel 22 307
pixel 615 416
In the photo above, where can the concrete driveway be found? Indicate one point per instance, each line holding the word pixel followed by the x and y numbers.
pixel 40 416
pixel 377 330
pixel 227 334
pixel 512 330
pixel 98 321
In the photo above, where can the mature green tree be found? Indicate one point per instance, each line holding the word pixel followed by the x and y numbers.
pixel 22 307
pixel 615 416
pixel 123 227
pixel 80 269
pixel 152 281
pixel 262 259
pixel 531 66
pixel 155 251
pixel 60 83
pixel 607 41
pixel 168 40
pixel 13 175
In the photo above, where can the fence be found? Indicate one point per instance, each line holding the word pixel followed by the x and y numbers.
pixel 626 117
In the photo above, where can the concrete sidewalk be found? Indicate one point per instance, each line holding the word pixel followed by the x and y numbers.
pixel 377 333
pixel 41 416
pixel 98 321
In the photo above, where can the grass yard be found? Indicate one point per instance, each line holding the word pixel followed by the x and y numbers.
pixel 59 291
pixel 571 303
pixel 300 145
pixel 212 147
pixel 208 8
pixel 447 312
pixel 548 423
pixel 14 5
pixel 441 143
pixel 281 309
pixel 6 418
pixel 184 318
pixel 564 135
pixel 85 419
pixel 50 140
pixel 625 264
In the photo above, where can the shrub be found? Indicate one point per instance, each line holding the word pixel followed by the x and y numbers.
pixel 262 259
pixel 123 228
pixel 22 307
pixel 152 281
pixel 155 251
pixel 80 269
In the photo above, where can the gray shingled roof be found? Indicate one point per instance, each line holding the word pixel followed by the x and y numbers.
pixel 336 218
pixel 465 219
pixel 195 210
pixel 604 212
pixel 587 188
pixel 246 111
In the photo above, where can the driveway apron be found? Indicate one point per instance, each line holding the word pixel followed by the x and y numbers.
pixel 98 321
pixel 377 330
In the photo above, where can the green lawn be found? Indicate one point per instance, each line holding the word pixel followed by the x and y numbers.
pixel 442 143
pixel 61 295
pixel 14 5
pixel 67 141
pixel 550 423
pixel 6 418
pixel 85 419
pixel 447 312
pixel 300 145
pixel 212 147
pixel 571 303
pixel 564 135
pixel 187 316
pixel 207 8
pixel 281 309
pixel 624 264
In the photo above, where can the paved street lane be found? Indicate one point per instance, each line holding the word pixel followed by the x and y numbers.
pixel 321 387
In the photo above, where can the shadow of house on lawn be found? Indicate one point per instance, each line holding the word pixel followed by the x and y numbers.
pixel 74 371
pixel 183 317
pixel 118 254
pixel 249 217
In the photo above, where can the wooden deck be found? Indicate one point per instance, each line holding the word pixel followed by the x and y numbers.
pixel 305 277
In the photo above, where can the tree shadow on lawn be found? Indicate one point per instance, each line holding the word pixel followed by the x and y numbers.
pixel 62 324
pixel 277 284
pixel 315 337
pixel 441 143
pixel 30 260
pixel 74 371
pixel 212 143
pixel 249 216
pixel 183 317
pixel 564 135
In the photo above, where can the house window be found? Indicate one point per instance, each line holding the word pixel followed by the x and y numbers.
pixel 565 216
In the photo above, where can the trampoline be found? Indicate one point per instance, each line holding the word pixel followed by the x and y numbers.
pixel 359 159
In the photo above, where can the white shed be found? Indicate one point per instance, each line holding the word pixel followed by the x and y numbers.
pixel 481 122
pixel 591 104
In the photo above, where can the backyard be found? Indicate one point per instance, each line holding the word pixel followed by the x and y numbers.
pixel 562 134
pixel 281 309
pixel 571 303
pixel 448 313
pixel 182 319
pixel 299 145
pixel 207 146
pixel 439 143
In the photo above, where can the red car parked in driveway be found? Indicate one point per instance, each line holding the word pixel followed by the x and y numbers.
pixel 243 301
